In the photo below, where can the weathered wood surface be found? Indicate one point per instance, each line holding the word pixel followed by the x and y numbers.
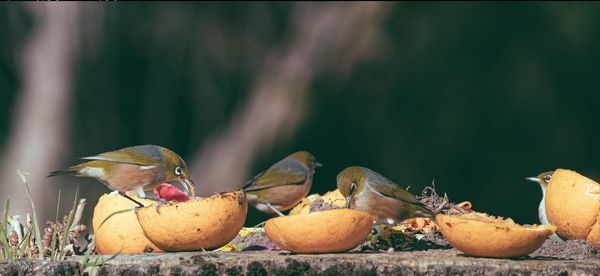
pixel 432 262
pixel 37 267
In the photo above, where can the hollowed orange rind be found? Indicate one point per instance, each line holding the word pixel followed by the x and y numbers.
pixel 116 227
pixel 478 234
pixel 197 224
pixel 328 231
pixel 573 205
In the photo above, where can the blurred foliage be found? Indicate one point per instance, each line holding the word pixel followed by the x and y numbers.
pixel 474 95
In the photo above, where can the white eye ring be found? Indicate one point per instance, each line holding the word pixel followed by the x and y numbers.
pixel 547 178
pixel 352 188
pixel 178 171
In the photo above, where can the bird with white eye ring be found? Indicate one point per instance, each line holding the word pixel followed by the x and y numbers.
pixel 544 179
pixel 388 203
pixel 134 169
pixel 283 185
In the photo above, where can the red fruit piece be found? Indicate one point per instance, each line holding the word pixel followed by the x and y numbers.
pixel 169 192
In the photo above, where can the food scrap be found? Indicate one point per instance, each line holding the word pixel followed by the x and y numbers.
pixel 250 239
pixel 169 192
pixel 315 202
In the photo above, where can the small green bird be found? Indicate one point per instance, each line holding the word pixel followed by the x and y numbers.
pixel 134 169
pixel 544 179
pixel 386 201
pixel 283 185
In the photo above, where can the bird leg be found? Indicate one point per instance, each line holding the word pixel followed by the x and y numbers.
pixel 275 210
pixel 128 197
pixel 161 201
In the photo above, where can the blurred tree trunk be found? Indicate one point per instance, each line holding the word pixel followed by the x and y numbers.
pixel 41 117
pixel 324 36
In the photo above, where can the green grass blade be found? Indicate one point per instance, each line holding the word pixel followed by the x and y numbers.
pixel 88 251
pixel 4 232
pixel 25 251
pixel 5 216
pixel 103 261
pixel 67 227
pixel 25 242
pixel 36 226
pixel 55 232
pixel 98 261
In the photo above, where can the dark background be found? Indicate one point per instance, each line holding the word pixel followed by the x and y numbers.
pixel 477 96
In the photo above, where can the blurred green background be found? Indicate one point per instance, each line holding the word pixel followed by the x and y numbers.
pixel 477 96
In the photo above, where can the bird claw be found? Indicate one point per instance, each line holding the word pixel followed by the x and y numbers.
pixel 161 201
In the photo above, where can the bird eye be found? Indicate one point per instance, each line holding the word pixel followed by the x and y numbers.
pixel 178 171
pixel 352 188
pixel 547 178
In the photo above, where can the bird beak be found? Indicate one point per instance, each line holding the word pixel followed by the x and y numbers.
pixel 317 164
pixel 534 179
pixel 189 185
pixel 348 201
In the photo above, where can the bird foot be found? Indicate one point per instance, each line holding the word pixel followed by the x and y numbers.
pixel 161 201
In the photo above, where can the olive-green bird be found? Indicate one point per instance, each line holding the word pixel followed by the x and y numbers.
pixel 544 179
pixel 283 185
pixel 134 169
pixel 386 201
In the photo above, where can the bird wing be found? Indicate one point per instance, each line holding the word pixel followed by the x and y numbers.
pixel 390 189
pixel 144 156
pixel 285 172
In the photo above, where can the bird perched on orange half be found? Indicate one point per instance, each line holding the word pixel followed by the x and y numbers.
pixel 134 169
pixel 283 185
pixel 367 190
